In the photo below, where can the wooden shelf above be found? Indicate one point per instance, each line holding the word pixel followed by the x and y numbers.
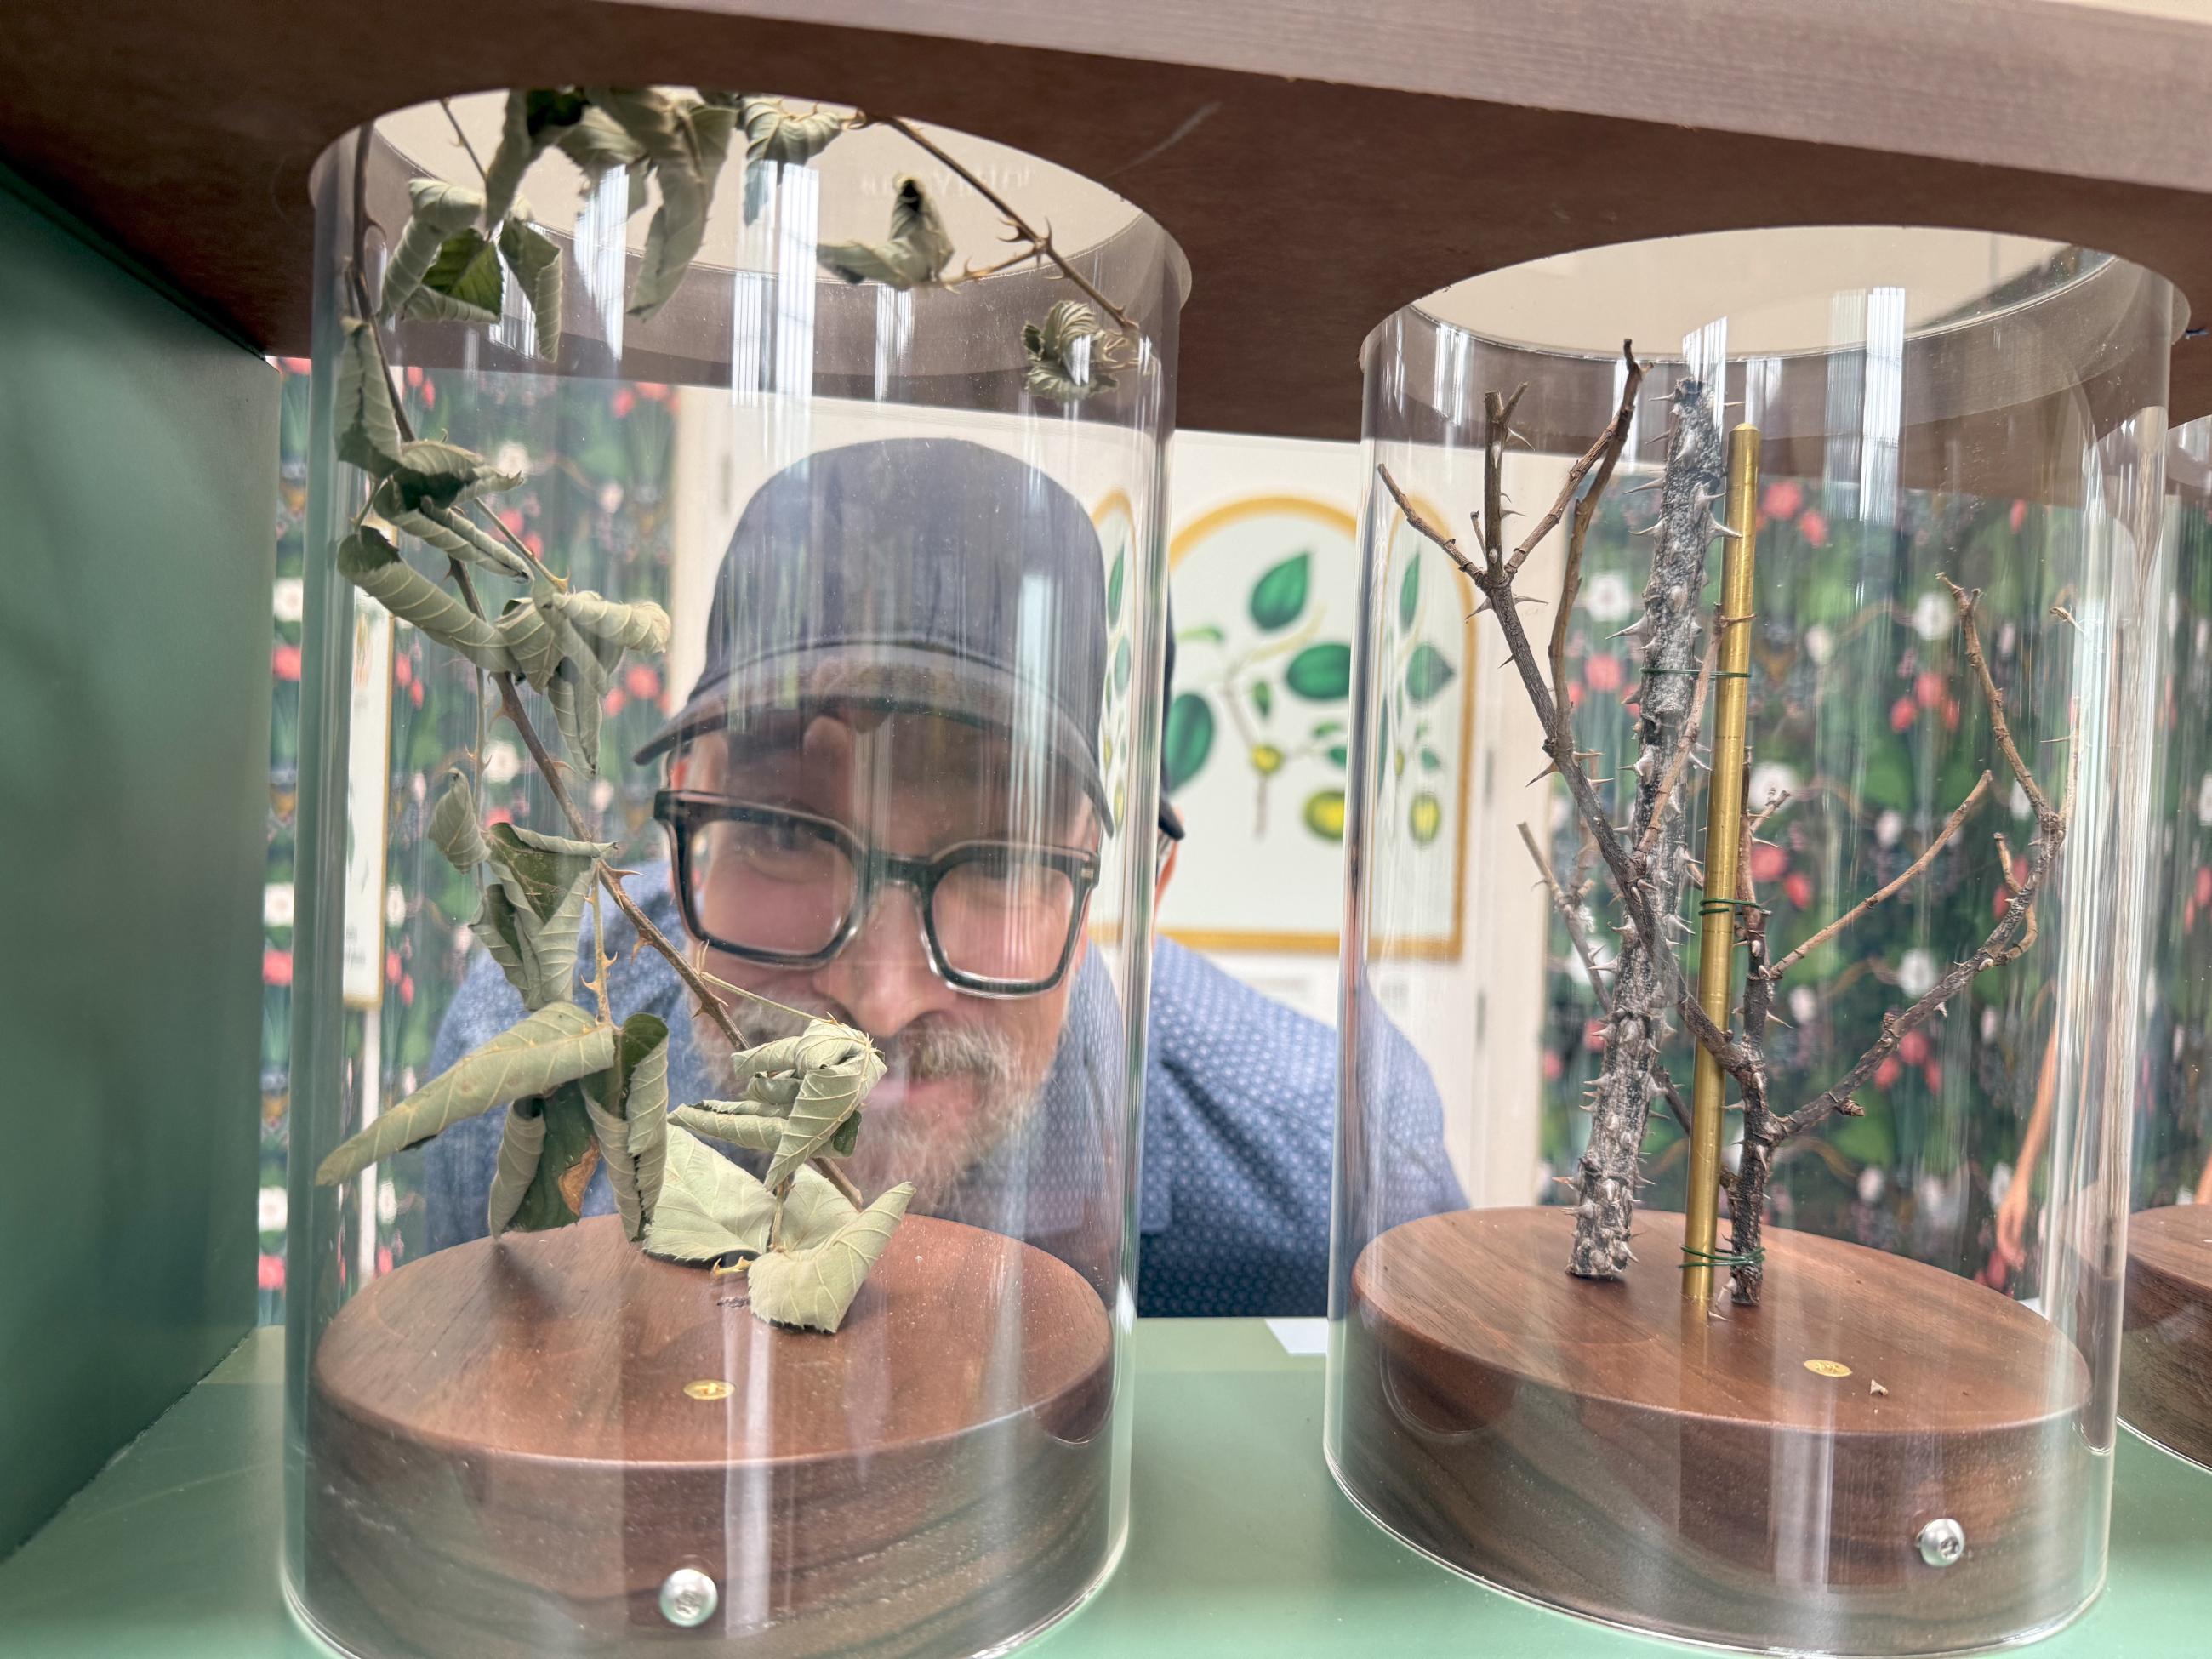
pixel 1321 164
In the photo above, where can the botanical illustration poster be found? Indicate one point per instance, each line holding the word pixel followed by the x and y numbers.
pixel 1263 578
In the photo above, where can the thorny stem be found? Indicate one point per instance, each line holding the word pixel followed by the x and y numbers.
pixel 1570 912
pixel 447 105
pixel 1040 242
pixel 1601 455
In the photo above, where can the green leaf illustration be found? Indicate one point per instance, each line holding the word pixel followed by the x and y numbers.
pixel 1339 753
pixel 1327 729
pixel 1120 668
pixel 1409 592
pixel 1432 761
pixel 1320 673
pixel 1263 698
pixel 912 256
pixel 1203 633
pixel 1427 673
pixel 1323 813
pixel 1280 595
pixel 1113 580
pixel 812 1288
pixel 556 1045
pixel 1189 739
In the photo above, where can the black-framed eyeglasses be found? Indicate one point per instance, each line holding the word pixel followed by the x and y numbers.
pixel 789 890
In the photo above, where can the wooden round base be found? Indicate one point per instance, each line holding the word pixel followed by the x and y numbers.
pixel 512 1445
pixel 1756 1477
pixel 2166 1352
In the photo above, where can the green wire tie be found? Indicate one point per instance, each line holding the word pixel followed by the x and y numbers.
pixel 1722 1258
pixel 1708 907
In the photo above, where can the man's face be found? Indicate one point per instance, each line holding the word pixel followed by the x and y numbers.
pixel 962 1070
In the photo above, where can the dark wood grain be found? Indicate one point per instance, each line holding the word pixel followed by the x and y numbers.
pixel 502 1459
pixel 2166 1351
pixel 1412 144
pixel 1609 1449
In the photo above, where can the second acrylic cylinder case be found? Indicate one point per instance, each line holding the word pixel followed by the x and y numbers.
pixel 1817 639
pixel 728 829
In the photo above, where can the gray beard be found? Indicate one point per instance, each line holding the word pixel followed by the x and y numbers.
pixel 897 1145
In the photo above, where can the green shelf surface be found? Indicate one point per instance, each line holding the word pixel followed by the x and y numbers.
pixel 1239 1542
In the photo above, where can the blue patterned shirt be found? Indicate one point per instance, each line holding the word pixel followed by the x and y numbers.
pixel 1239 1121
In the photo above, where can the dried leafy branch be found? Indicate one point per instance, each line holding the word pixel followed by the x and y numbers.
pixel 1648 863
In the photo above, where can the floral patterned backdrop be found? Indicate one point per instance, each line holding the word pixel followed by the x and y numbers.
pixel 599 457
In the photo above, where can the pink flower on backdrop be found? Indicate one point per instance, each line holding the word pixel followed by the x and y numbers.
pixel 643 681
pixel 1574 694
pixel 1913 1048
pixel 1927 687
pixel 1602 672
pixel 2203 885
pixel 1594 1034
pixel 415 692
pixel 383 1258
pixel 536 543
pixel 1782 499
pixel 403 667
pixel 284 662
pixel 430 393
pixel 1553 1068
pixel 512 518
pixel 499 815
pixel 1950 713
pixel 2018 516
pixel 1767 862
pixel 392 966
pixel 269 1272
pixel 1814 527
pixel 276 967
pixel 407 990
pixel 1902 713
pixel 295 365
pixel 652 389
pixel 414 375
pixel 1887 1073
pixel 623 402
pixel 1932 1072
pixel 614 701
pixel 1799 886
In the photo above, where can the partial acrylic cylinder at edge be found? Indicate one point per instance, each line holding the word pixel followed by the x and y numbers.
pixel 2166 1351
pixel 1777 790
pixel 896 768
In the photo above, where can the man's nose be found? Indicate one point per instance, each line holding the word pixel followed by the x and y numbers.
pixel 883 978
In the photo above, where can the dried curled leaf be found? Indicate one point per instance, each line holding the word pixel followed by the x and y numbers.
pixel 554 1196
pixel 531 919
pixel 373 564
pixel 685 142
pixel 643 626
pixel 535 259
pixel 914 255
pixel 629 1108
pixel 1068 361
pixel 749 1131
pixel 837 1067
pixel 773 133
pixel 463 283
pixel 438 211
pixel 555 1045
pixel 536 118
pixel 521 1144
pixel 531 643
pixel 454 828
pixel 368 430
pixel 812 1287
pixel 708 1207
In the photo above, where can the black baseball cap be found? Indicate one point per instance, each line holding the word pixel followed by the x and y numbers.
pixel 934 575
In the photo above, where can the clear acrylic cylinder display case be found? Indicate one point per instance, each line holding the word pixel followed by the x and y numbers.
pixel 728 834
pixel 1816 644
pixel 2166 1352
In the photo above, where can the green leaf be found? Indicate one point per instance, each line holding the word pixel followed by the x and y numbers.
pixel 438 211
pixel 553 1046
pixel 531 920
pixel 836 1067
pixel 1323 814
pixel 371 563
pixel 709 1207
pixel 685 143
pixel 531 643
pixel 1121 668
pixel 455 829
pixel 464 282
pixel 1327 729
pixel 539 871
pixel 1203 633
pixel 521 1145
pixel 1432 761
pixel 627 1105
pixel 914 255
pixel 1427 673
pixel 814 1211
pixel 368 430
pixel 1409 592
pixel 535 259
pixel 1189 739
pixel 1113 581
pixel 1339 753
pixel 1280 595
pixel 773 133
pixel 554 1196
pixel 812 1288
pixel 643 626
pixel 1263 698
pixel 752 1132
pixel 1320 673
pixel 1070 353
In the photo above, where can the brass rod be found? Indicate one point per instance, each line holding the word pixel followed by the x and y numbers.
pixel 1724 836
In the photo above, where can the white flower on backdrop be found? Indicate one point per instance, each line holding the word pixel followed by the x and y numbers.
pixel 1916 972
pixel 1934 616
